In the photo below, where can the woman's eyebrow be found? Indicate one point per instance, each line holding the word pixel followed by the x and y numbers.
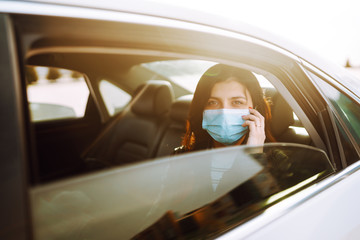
pixel 244 97
pixel 214 98
pixel 236 97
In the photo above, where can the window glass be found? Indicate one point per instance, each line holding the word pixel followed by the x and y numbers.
pixel 115 99
pixel 188 196
pixel 347 109
pixel 55 93
pixel 186 73
pixel 298 126
pixel 351 155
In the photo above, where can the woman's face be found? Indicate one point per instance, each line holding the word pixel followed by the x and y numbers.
pixel 229 94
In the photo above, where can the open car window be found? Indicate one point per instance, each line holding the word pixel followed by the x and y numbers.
pixel 189 195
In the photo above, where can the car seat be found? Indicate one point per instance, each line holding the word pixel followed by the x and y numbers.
pixel 282 121
pixel 176 129
pixel 135 133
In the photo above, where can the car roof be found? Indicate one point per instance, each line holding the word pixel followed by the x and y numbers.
pixel 169 11
pixel 173 12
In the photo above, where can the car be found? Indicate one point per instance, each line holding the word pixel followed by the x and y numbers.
pixel 94 100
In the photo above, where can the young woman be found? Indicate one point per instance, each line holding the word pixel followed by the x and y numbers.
pixel 228 108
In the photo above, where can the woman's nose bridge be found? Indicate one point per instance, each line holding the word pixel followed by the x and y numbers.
pixel 226 104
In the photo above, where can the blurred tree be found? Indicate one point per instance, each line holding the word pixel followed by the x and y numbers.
pixel 347 64
pixel 53 74
pixel 31 75
pixel 76 74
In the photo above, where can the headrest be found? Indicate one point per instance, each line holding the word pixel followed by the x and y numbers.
pixel 180 108
pixel 282 113
pixel 153 99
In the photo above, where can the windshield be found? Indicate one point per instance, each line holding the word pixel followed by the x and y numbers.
pixel 191 195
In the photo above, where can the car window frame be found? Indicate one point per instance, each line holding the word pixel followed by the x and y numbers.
pixel 15 213
pixel 333 113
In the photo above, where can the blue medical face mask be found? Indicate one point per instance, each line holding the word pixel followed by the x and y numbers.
pixel 225 125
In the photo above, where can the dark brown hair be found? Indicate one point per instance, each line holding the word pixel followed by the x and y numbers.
pixel 197 138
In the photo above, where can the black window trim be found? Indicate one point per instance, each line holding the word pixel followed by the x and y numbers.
pixel 332 111
pixel 15 202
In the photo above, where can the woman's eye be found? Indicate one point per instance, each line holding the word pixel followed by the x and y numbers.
pixel 212 103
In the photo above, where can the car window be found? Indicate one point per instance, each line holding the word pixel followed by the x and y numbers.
pixel 187 72
pixel 190 196
pixel 115 98
pixel 346 108
pixel 55 93
pixel 347 111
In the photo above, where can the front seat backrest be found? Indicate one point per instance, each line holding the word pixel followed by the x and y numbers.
pixel 282 114
pixel 176 129
pixel 282 121
pixel 135 134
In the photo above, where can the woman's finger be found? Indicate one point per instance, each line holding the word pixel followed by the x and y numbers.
pixel 257 114
pixel 254 119
pixel 256 123
pixel 250 124
pixel 257 119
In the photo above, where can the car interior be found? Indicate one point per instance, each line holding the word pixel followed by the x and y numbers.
pixel 148 126
pixel 151 125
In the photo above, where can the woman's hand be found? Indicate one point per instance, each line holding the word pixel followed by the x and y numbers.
pixel 256 123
